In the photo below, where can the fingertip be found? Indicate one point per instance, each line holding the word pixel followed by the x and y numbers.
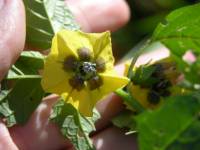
pixel 121 11
pixel 98 16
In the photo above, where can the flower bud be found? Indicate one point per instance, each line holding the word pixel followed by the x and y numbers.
pixel 152 82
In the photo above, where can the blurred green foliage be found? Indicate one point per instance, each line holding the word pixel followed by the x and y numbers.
pixel 145 15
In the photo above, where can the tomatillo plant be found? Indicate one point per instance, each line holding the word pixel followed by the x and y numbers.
pixel 162 95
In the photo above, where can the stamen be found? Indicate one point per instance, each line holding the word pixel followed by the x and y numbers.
pixel 70 63
pixel 84 70
pixel 77 82
pixel 100 62
pixel 95 83
pixel 84 54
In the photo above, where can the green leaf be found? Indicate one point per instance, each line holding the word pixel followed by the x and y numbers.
pixel 188 140
pixel 160 128
pixel 180 32
pixel 191 134
pixel 4 106
pixel 14 73
pixel 125 119
pixel 22 95
pixel 73 125
pixel 30 62
pixel 44 19
pixel 19 103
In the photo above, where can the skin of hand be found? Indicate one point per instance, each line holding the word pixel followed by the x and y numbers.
pixel 38 133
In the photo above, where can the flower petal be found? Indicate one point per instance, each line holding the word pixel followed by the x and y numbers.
pixel 81 101
pixel 85 100
pixel 59 48
pixel 70 41
pixel 54 75
pixel 141 94
pixel 102 47
pixel 110 84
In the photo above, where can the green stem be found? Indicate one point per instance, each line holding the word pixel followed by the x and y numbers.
pixel 130 100
pixel 25 77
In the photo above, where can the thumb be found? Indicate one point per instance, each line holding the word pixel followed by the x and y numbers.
pixel 12 31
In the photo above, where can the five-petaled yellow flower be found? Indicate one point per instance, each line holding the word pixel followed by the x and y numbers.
pixel 80 67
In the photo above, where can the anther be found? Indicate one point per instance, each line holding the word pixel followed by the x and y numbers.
pixel 84 54
pixel 95 82
pixel 101 64
pixel 76 82
pixel 70 63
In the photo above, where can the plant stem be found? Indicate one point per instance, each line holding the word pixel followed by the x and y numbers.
pixel 130 100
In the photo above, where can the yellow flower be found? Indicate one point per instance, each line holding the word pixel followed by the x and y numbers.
pixel 154 81
pixel 80 67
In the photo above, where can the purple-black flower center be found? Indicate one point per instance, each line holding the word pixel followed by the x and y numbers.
pixel 84 69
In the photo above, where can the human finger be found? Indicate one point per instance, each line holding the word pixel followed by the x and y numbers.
pixel 6 142
pixel 114 138
pixel 39 132
pixel 100 15
pixel 12 30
